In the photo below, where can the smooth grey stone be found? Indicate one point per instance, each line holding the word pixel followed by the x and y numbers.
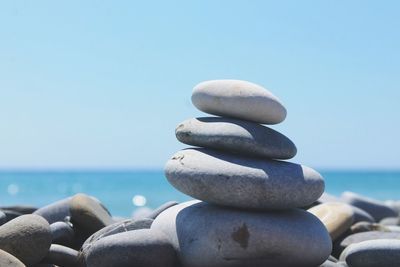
pixel 161 208
pixel 62 233
pixel 238 99
pixel 367 226
pixel 62 256
pixel 139 248
pixel 364 236
pixel 361 215
pixel 11 214
pixel 209 235
pixel 328 263
pixel 8 260
pixel 373 253
pixel 3 218
pixel 115 228
pixel 394 204
pixel 390 221
pixel 331 258
pixel 236 136
pixel 24 209
pixel 240 182
pixel 88 213
pixel 27 237
pixel 56 211
pixel 377 209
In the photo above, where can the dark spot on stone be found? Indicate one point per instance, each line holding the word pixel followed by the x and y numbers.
pixel 179 157
pixel 241 235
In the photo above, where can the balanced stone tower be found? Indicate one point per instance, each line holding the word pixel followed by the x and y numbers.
pixel 248 208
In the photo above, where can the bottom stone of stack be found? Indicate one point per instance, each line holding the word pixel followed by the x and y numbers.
pixel 208 235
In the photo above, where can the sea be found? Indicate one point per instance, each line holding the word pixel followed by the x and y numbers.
pixel 127 192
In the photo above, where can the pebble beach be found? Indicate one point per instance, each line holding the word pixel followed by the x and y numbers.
pixel 250 204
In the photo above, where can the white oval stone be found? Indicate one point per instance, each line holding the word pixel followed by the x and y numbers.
pixel 242 182
pixel 238 99
pixel 208 235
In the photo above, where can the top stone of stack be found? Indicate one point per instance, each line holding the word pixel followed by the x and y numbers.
pixel 238 99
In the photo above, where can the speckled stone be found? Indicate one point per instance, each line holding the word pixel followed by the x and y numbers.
pixel 209 235
pixel 62 256
pixel 376 208
pixel 88 213
pixel 139 248
pixel 115 228
pixel 27 237
pixel 238 99
pixel 8 260
pixel 337 217
pixel 242 182
pixel 373 253
pixel 236 136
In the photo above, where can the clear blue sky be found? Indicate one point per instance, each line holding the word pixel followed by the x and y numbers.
pixel 102 84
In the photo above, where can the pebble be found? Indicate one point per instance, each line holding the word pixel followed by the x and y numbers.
pixel 361 215
pixel 115 228
pixel 139 248
pixel 8 260
pixel 89 213
pixel 371 235
pixel 236 136
pixel 62 256
pixel 208 235
pixel 377 209
pixel 55 212
pixel 390 221
pixel 62 233
pixel 24 209
pixel 373 253
pixel 253 183
pixel 161 208
pixel 27 237
pixel 238 99
pixel 360 227
pixel 337 217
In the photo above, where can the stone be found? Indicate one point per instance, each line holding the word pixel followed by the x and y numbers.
pixel 390 221
pixel 161 208
pixel 330 264
pixel 3 218
pixel 115 228
pixel 209 235
pixel 11 214
pixel 23 209
pixel 373 253
pixel 88 213
pixel 365 236
pixel 62 233
pixel 236 136
pixel 139 248
pixel 27 237
pixel 8 260
pixel 361 215
pixel 337 217
pixel 377 209
pixel 56 211
pixel 238 99
pixel 367 226
pixel 62 256
pixel 242 182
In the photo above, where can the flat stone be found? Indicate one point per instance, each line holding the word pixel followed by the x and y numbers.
pixel 241 182
pixel 376 208
pixel 360 227
pixel 390 221
pixel 365 236
pixel 56 211
pixel 238 99
pixel 27 237
pixel 209 235
pixel 337 217
pixel 361 215
pixel 139 248
pixel 24 209
pixel 115 228
pixel 89 213
pixel 11 214
pixel 62 233
pixel 8 260
pixel 236 136
pixel 62 256
pixel 373 253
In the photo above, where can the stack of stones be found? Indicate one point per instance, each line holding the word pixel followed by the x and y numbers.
pixel 249 213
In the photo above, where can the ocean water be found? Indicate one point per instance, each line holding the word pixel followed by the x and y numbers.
pixel 123 192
